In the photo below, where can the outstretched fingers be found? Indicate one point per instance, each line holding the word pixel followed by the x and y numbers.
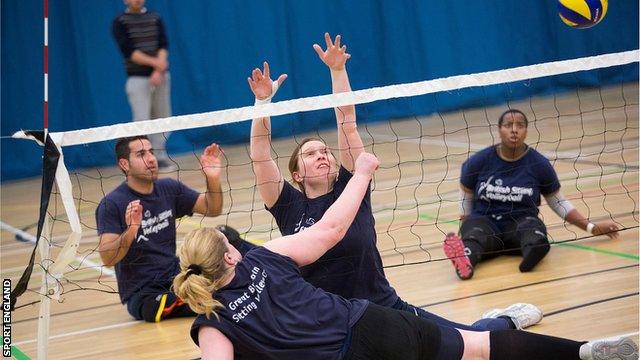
pixel 337 42
pixel 256 74
pixel 327 40
pixel 266 70
pixel 281 79
pixel 318 50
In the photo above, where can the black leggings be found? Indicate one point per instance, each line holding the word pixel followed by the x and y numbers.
pixel 526 236
pixel 386 334
pixel 143 305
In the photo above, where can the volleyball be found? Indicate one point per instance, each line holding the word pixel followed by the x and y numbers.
pixel 582 14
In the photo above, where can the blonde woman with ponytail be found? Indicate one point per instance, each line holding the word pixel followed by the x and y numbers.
pixel 195 283
pixel 263 309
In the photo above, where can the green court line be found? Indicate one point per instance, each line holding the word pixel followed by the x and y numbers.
pixel 602 251
pixel 429 217
pixel 16 353
pixel 576 246
pixel 19 355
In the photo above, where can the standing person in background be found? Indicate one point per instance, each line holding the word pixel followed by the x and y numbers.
pixel 142 40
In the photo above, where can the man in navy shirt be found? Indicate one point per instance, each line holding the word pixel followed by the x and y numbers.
pixel 137 226
pixel 500 195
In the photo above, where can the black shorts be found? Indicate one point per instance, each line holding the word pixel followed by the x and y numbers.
pixel 385 333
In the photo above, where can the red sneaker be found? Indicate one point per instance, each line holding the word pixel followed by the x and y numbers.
pixel 455 251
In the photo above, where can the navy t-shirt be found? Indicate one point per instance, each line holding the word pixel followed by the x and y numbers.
pixel 352 268
pixel 508 190
pixel 270 312
pixel 151 259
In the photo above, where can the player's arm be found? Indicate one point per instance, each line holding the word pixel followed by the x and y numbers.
pixel 465 201
pixel 114 247
pixel 210 203
pixel 564 209
pixel 214 345
pixel 269 180
pixel 309 245
pixel 349 141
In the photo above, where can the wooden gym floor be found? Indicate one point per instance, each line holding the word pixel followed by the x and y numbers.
pixel 587 287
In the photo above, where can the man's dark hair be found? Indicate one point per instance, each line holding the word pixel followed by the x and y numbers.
pixel 513 111
pixel 122 146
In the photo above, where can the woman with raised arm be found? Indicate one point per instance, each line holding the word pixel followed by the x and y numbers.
pixel 353 268
pixel 259 307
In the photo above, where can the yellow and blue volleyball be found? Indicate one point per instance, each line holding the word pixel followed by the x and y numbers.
pixel 582 14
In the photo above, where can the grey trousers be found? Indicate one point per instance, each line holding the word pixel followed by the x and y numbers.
pixel 150 102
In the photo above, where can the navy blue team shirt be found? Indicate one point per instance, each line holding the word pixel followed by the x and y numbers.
pixel 508 190
pixel 151 259
pixel 270 312
pixel 351 269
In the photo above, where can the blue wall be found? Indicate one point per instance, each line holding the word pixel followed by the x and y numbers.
pixel 213 46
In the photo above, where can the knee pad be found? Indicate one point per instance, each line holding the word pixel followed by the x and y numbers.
pixel 535 247
pixel 535 238
pixel 478 230
pixel 533 232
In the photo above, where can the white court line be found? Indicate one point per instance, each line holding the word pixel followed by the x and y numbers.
pixel 82 261
pixel 21 235
pixel 81 332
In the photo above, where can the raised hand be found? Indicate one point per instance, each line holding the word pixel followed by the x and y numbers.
pixel 367 164
pixel 608 228
pixel 211 161
pixel 261 84
pixel 335 56
pixel 133 214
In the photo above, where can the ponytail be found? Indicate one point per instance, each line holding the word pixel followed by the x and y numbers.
pixel 202 270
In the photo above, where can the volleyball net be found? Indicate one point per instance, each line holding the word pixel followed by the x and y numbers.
pixel 582 117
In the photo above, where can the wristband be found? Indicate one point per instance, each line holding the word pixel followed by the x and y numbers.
pixel 274 89
pixel 263 101
pixel 590 227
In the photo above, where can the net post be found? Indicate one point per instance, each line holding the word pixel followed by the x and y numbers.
pixel 44 247
pixel 44 250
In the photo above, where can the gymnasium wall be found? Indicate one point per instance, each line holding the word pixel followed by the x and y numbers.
pixel 213 46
